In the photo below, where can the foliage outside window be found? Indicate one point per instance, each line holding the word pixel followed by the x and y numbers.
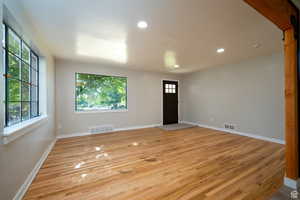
pixel 101 93
pixel 21 79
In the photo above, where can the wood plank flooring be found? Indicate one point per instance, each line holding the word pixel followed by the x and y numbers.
pixel 152 164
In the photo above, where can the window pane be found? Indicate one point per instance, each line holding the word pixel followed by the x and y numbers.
pixel 3 35
pixel 14 43
pixel 96 92
pixel 25 53
pixel 34 62
pixel 22 72
pixel 13 66
pixel 25 110
pixel 34 77
pixel 25 72
pixel 14 113
pixel 25 92
pixel 14 90
pixel 34 109
pixel 34 93
pixel 4 61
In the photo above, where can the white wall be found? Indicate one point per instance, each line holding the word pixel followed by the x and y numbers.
pixel 19 157
pixel 144 98
pixel 249 94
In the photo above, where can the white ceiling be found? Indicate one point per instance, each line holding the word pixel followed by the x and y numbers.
pixel 185 32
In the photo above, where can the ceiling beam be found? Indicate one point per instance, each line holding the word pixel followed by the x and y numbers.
pixel 277 11
pixel 296 3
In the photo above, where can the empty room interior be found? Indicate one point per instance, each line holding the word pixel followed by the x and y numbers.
pixel 149 100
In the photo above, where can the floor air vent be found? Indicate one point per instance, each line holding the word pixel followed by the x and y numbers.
pixel 101 129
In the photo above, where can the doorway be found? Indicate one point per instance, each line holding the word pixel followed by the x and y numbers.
pixel 170 102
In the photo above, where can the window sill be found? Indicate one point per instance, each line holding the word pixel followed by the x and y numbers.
pixel 16 131
pixel 101 111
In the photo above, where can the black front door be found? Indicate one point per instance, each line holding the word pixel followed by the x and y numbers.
pixel 170 102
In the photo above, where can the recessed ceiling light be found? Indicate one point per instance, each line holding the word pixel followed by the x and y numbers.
pixel 220 50
pixel 176 66
pixel 142 24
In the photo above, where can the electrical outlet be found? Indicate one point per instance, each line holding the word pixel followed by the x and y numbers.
pixel 229 126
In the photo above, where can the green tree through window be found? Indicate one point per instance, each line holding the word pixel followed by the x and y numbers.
pixel 21 75
pixel 98 92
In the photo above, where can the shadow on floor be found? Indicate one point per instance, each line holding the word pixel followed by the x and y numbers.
pixel 284 194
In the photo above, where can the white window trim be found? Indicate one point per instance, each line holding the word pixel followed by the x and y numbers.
pixel 101 111
pixel 13 132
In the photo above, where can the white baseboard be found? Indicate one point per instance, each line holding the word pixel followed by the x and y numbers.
pixel 137 127
pixel 238 133
pixel 291 183
pixel 191 123
pixel 115 130
pixel 21 192
pixel 72 135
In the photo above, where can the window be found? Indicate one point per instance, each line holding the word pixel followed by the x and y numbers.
pixel 170 88
pixel 21 79
pixel 98 92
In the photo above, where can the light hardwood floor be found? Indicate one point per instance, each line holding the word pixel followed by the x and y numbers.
pixel 152 164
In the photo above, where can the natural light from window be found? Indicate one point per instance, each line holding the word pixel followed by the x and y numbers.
pixel 108 49
pixel 100 93
pixel 170 59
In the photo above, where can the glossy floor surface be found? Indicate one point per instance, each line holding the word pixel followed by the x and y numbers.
pixel 152 164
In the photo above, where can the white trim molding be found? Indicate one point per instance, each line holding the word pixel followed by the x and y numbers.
pixel 101 111
pixel 21 192
pixel 115 130
pixel 294 184
pixel 72 135
pixel 238 133
pixel 16 131
pixel 137 127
